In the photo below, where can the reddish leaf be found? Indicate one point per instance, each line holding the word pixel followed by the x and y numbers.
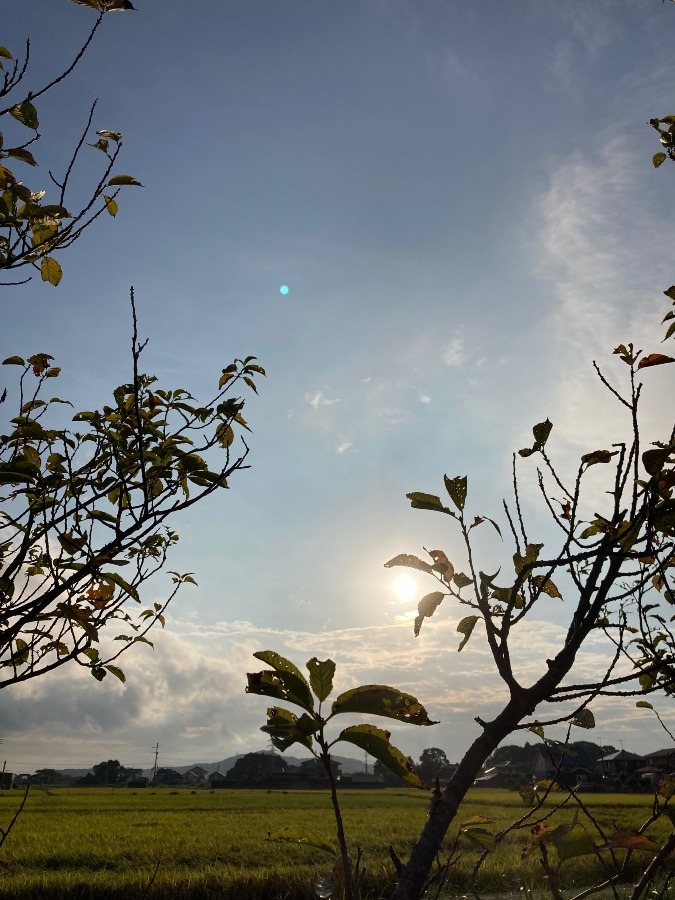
pixel 654 359
pixel 630 840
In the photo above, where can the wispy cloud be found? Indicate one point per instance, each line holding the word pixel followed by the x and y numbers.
pixel 424 398
pixel 453 351
pixel 343 447
pixel 319 399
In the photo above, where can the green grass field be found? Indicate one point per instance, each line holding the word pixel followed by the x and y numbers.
pixel 106 844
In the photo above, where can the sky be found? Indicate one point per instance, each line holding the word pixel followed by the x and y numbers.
pixel 461 201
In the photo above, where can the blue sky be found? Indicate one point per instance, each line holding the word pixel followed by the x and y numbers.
pixel 461 200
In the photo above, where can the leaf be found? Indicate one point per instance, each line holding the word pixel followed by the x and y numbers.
pixel 480 836
pixel 293 834
pixel 5 54
pixel 584 719
pixel 630 840
pixel 442 564
pixel 225 435
pixel 285 728
pixel 538 730
pixel 381 700
pixel 110 135
pixel 111 205
pixel 465 627
pixel 426 608
pixel 658 159
pixel 26 114
pixel 541 433
pixel 531 555
pixel 527 793
pixel 375 741
pixel 654 460
pixel 13 361
pixel 412 562
pixel 546 586
pixel 644 704
pixel 22 154
pixel 457 488
pixel 120 582
pixel 597 456
pixel 279 662
pixel 50 270
pixel 419 500
pixel 666 786
pixel 321 677
pixel 462 580
pixel 117 672
pixel 654 359
pixel 123 180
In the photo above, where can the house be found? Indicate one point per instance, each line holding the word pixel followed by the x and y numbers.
pixel 167 777
pixel 217 780
pixel 569 768
pixel 362 780
pixel 655 765
pixel 195 775
pixel 621 765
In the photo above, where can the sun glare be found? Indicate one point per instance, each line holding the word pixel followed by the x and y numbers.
pixel 405 588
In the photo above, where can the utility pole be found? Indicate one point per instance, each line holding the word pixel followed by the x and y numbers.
pixel 154 768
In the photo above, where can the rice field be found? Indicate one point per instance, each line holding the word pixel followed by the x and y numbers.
pixel 120 843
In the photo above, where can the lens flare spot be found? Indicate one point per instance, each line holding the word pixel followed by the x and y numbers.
pixel 405 588
pixel 284 289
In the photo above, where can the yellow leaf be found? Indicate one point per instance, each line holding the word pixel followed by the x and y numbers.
pixel 111 205
pixel 50 270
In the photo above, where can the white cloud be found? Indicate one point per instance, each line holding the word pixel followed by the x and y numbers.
pixel 189 693
pixel 424 398
pixel 453 352
pixel 343 447
pixel 319 399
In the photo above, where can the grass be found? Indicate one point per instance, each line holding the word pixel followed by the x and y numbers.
pixel 106 844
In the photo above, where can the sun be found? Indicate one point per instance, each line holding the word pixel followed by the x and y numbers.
pixel 405 588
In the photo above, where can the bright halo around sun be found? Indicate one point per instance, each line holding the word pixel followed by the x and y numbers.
pixel 405 588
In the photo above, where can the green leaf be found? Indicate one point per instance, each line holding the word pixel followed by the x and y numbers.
pixel 123 180
pixel 426 608
pixel 456 487
pixel 279 662
pixel 465 627
pixel 14 361
pixel 5 54
pixel 285 728
pixel 71 543
pixel 644 704
pixel 293 834
pixel 375 741
pixel 481 837
pixel 546 586
pixel 22 154
pixel 117 672
pixel 26 114
pixel 531 555
pixel 584 719
pixel 50 270
pixel 98 673
pixel 114 578
pixel 381 700
pixel 658 159
pixel 225 435
pixel 321 677
pixel 538 730
pixel 419 500
pixel 281 684
pixel 413 562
